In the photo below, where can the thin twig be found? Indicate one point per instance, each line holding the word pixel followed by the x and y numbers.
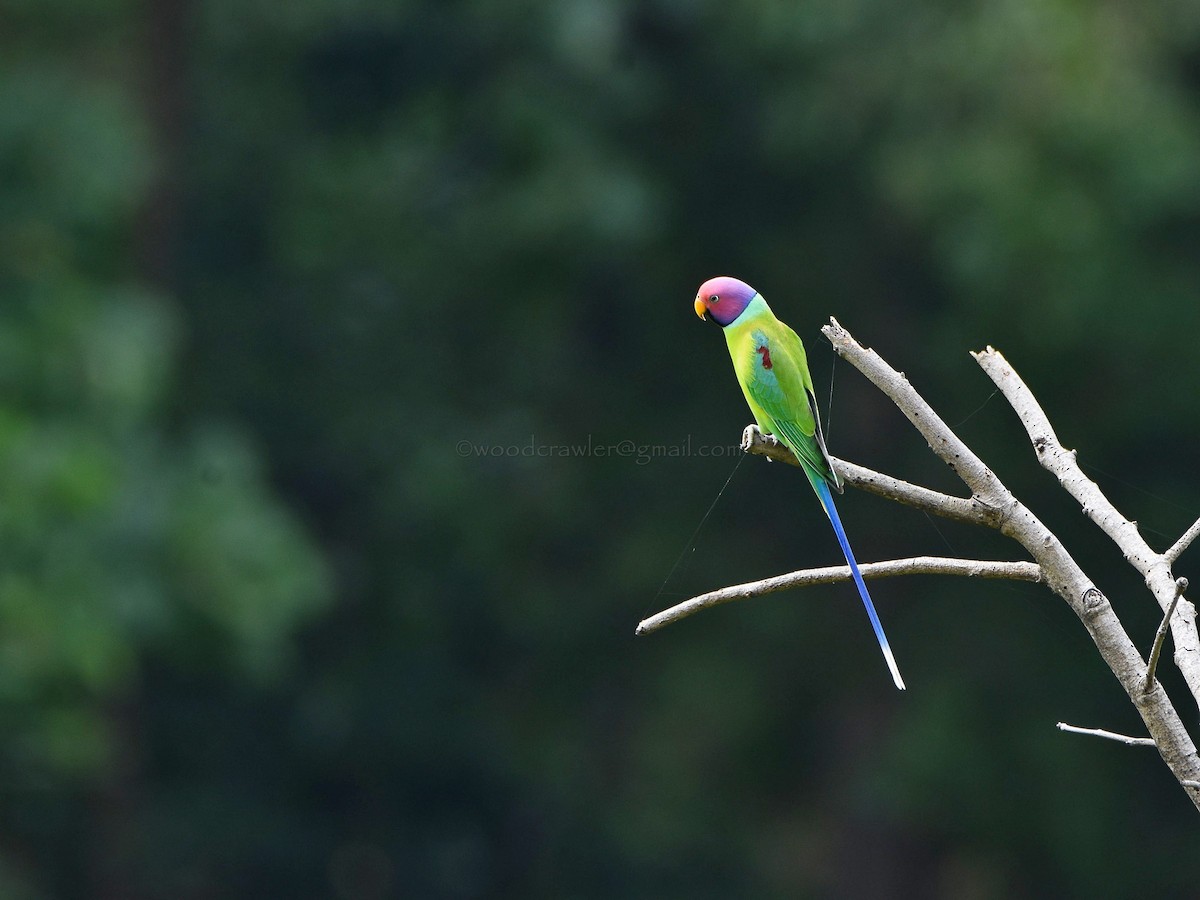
pixel 972 511
pixel 919 565
pixel 1110 735
pixel 1180 586
pixel 1182 544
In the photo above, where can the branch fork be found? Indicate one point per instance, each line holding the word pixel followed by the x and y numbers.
pixel 991 504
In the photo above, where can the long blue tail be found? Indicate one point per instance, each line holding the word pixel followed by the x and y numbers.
pixel 822 489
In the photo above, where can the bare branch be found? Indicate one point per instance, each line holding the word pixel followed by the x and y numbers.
pixel 1180 586
pixel 919 565
pixel 992 503
pixel 972 512
pixel 1110 735
pixel 1154 567
pixel 985 486
pixel 1183 543
pixel 1059 569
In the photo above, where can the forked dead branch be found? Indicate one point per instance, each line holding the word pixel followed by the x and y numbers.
pixel 991 504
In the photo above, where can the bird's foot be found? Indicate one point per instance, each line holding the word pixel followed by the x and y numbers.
pixel 750 437
pixel 753 436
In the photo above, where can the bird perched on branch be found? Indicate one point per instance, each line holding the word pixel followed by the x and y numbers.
pixel 772 369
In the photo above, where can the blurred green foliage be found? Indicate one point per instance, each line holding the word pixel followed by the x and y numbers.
pixel 293 297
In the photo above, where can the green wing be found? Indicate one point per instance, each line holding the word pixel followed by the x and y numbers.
pixel 778 382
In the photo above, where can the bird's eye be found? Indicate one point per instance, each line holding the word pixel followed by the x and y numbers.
pixel 714 299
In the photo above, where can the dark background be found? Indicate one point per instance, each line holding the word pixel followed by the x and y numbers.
pixel 299 595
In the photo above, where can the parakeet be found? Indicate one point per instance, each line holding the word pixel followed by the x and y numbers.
pixel 772 369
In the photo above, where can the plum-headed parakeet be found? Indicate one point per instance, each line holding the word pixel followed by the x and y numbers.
pixel 772 369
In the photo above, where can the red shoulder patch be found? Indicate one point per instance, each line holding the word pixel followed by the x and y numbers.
pixel 766 355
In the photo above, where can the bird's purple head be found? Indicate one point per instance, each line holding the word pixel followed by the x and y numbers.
pixel 723 298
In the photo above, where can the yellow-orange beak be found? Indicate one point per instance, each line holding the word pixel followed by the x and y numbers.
pixel 701 309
